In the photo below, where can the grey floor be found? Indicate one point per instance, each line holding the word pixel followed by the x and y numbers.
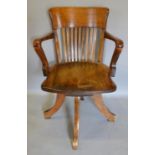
pixel 96 137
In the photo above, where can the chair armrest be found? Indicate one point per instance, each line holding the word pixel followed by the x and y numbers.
pixel 117 51
pixel 40 52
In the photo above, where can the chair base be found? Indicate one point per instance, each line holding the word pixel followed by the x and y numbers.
pixel 99 104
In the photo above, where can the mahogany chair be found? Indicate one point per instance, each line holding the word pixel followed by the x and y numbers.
pixel 78 34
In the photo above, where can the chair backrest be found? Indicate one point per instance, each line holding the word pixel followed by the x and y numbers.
pixel 79 33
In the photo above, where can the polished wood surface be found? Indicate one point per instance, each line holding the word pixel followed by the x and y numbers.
pixel 76 124
pixel 58 103
pixel 103 109
pixel 78 34
pixel 80 44
pixel 117 51
pixel 37 44
pixel 79 17
pixel 78 79
pixel 101 47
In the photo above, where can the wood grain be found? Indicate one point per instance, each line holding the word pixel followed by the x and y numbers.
pixel 79 17
pixel 78 79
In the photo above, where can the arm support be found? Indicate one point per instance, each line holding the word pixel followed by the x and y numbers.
pixel 40 52
pixel 117 51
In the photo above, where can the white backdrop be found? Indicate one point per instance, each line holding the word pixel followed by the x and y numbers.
pixel 39 24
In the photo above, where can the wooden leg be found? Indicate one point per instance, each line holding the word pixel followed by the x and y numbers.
pixel 103 109
pixel 58 103
pixel 76 124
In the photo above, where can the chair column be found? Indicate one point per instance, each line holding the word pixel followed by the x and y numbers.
pixel 76 123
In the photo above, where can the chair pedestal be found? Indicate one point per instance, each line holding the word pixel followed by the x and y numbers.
pixel 76 124
pixel 98 101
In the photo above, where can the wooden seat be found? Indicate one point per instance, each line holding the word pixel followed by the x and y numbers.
pixel 78 34
pixel 76 78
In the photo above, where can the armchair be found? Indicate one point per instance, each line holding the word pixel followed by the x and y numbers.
pixel 79 34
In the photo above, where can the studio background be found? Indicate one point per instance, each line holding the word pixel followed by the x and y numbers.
pixel 48 137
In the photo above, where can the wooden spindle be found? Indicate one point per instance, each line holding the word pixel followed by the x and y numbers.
pixel 87 41
pixel 68 44
pixel 101 46
pixel 83 44
pixel 75 44
pixel 64 43
pixel 94 44
pixel 90 43
pixel 79 43
pixel 71 44
pixel 58 57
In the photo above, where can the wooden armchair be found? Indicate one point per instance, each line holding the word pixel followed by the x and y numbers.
pixel 79 34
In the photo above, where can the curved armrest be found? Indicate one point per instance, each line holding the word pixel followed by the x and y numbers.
pixel 40 52
pixel 117 51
